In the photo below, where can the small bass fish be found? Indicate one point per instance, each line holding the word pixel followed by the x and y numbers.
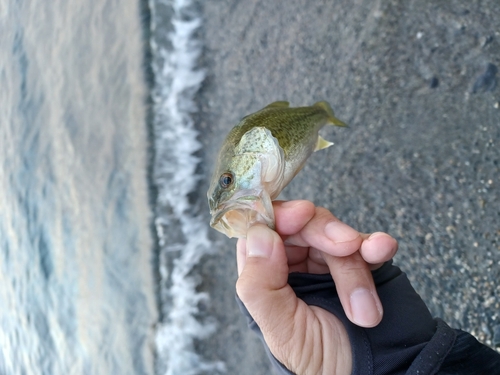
pixel 258 158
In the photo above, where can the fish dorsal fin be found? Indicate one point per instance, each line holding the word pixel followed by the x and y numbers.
pixel 278 104
pixel 322 143
pixel 260 142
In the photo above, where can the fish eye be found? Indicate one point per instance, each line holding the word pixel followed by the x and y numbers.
pixel 226 180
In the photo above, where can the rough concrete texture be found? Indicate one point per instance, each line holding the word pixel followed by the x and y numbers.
pixel 418 84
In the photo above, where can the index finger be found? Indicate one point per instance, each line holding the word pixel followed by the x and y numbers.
pixel 328 234
pixel 292 216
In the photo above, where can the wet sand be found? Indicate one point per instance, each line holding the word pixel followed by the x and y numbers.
pixel 417 83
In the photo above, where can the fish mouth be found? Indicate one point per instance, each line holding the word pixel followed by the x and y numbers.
pixel 244 209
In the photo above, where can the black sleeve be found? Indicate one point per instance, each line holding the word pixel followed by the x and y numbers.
pixel 407 340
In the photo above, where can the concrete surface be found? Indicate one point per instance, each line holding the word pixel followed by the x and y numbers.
pixel 418 84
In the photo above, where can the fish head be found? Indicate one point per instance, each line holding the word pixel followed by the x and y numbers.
pixel 244 183
pixel 245 208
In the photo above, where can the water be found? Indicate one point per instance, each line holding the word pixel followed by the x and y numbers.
pixel 181 230
pixel 76 270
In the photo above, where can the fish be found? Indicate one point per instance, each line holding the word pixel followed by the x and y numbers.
pixel 257 160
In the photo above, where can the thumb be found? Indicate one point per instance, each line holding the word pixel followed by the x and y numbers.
pixel 263 283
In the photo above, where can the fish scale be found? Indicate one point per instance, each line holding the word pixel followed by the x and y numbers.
pixel 278 121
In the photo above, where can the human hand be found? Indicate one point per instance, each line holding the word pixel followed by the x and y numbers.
pixel 308 339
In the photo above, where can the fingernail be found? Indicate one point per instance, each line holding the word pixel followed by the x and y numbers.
pixel 339 232
pixel 365 311
pixel 260 241
pixel 377 234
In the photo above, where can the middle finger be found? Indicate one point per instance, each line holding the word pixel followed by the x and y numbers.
pixel 356 289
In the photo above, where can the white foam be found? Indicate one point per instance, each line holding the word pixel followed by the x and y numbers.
pixel 177 79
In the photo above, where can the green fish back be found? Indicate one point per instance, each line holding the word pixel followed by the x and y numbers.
pixel 292 127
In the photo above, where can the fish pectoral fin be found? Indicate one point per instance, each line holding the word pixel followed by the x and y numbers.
pixel 322 143
pixel 278 104
pixel 332 120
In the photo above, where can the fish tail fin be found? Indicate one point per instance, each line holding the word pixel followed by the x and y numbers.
pixel 331 116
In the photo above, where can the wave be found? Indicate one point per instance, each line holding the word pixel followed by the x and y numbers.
pixel 175 53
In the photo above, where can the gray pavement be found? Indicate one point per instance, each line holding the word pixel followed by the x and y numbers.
pixel 418 84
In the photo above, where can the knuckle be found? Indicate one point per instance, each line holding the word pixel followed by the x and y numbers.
pixel 322 212
pixel 352 263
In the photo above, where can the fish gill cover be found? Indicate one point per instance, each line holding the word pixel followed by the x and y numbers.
pixel 177 79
